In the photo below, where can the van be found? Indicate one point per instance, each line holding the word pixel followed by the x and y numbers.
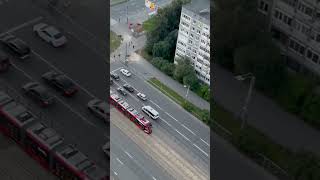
pixel 150 112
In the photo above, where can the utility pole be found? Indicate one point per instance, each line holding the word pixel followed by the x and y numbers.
pixel 244 112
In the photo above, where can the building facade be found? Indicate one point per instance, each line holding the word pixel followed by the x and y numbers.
pixel 295 25
pixel 193 39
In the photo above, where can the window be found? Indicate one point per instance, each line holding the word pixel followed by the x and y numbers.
pixel 283 17
pixel 184 23
pixel 305 9
pixel 190 41
pixel 264 6
pixel 312 56
pixel 296 47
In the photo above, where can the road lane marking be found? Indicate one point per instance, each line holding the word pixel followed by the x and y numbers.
pixel 115 173
pixel 166 122
pixel 22 25
pixel 156 105
pixel 116 69
pixel 119 161
pixel 201 150
pixel 205 142
pixel 182 135
pixel 154 178
pixel 62 102
pixel 172 117
pixel 128 154
pixel 188 129
pixel 56 69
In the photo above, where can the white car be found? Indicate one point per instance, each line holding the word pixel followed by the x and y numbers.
pixel 142 96
pixel 50 34
pixel 150 112
pixel 125 72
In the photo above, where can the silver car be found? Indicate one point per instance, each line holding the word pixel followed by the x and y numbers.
pixel 50 34
pixel 99 108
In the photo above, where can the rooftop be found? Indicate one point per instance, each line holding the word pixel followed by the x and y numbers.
pixel 201 7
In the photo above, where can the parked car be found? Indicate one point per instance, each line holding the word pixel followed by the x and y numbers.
pixel 50 34
pixel 121 91
pixel 4 61
pixel 60 82
pixel 16 46
pixel 125 72
pixel 115 76
pixel 128 87
pixel 142 96
pixel 38 93
pixel 99 108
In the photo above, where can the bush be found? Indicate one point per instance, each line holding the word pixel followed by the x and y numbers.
pixel 310 109
pixel 163 65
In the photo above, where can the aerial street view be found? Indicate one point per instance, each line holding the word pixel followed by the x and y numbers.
pixel 153 133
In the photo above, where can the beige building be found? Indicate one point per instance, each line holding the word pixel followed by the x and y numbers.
pixel 295 24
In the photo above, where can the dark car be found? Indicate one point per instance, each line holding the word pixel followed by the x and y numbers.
pixel 128 87
pixel 38 93
pixel 121 91
pixel 4 61
pixel 17 46
pixel 60 82
pixel 115 76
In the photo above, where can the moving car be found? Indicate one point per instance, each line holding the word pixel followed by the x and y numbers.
pixel 4 61
pixel 142 96
pixel 99 108
pixel 115 76
pixel 121 91
pixel 60 82
pixel 150 112
pixel 125 72
pixel 16 45
pixel 128 87
pixel 50 34
pixel 38 93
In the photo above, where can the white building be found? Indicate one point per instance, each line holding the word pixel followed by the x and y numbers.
pixel 194 37
pixel 295 25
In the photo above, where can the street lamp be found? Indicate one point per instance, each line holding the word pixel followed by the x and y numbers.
pixel 244 111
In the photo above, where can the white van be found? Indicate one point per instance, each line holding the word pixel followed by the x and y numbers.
pixel 150 112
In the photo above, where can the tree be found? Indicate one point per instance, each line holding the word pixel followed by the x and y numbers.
pixel 183 68
pixel 161 49
pixel 192 80
pixel 263 59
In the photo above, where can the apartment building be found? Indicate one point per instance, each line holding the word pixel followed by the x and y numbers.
pixel 295 25
pixel 193 39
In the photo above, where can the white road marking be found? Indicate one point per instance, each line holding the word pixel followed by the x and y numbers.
pixel 154 178
pixel 201 150
pixel 119 161
pixel 128 154
pixel 115 173
pixel 115 70
pixel 62 102
pixel 188 129
pixel 56 69
pixel 172 117
pixel 205 142
pixel 166 122
pixel 22 25
pixel 156 105
pixel 182 135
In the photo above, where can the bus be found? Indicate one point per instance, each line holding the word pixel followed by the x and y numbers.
pixel 131 113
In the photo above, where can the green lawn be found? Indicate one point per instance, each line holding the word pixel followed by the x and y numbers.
pixel 150 24
pixel 115 41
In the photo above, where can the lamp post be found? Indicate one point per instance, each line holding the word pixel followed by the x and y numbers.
pixel 244 112
pixel 187 86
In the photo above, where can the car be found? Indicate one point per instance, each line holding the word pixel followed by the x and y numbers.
pixel 60 82
pixel 16 45
pixel 121 91
pixel 142 96
pixel 150 112
pixel 4 61
pixel 125 72
pixel 99 108
pixel 50 34
pixel 115 76
pixel 128 87
pixel 106 149
pixel 38 93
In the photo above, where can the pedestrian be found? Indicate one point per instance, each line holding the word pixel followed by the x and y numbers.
pixel 114 56
pixel 132 46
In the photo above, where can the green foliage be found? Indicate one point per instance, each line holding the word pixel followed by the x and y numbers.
pixel 183 68
pixel 305 165
pixel 161 49
pixel 263 59
pixel 310 109
pixel 165 66
pixel 204 91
